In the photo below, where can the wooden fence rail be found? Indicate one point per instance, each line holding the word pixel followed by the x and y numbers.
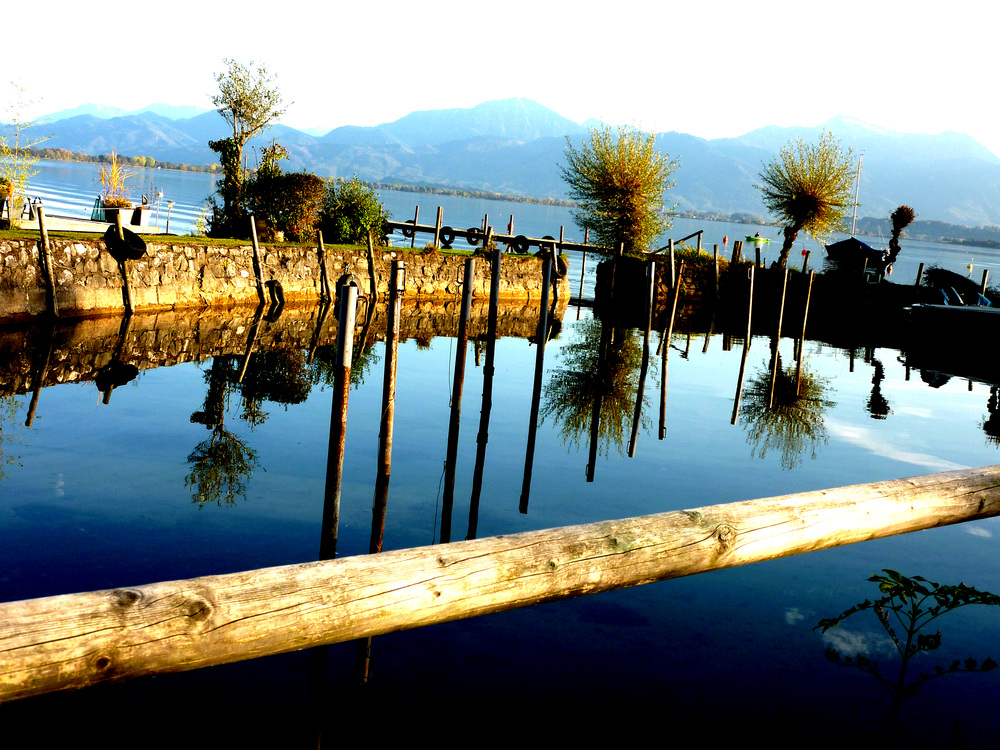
pixel 77 640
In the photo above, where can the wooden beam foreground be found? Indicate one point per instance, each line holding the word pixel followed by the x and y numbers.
pixel 76 640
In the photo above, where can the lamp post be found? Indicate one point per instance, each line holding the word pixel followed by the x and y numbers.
pixel 170 204
pixel 159 197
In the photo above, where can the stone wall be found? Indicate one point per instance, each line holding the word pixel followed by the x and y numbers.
pixel 177 275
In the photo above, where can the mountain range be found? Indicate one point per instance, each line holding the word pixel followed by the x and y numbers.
pixel 516 146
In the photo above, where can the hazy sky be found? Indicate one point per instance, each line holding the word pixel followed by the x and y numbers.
pixel 713 68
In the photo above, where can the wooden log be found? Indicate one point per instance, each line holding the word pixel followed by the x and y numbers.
pixel 77 640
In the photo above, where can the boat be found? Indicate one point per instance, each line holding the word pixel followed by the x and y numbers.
pixel 851 252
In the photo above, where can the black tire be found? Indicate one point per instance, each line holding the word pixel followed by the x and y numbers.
pixel 447 236
pixel 520 244
pixel 408 232
pixel 475 236
pixel 543 245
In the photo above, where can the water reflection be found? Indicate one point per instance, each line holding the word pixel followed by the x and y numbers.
pixel 591 393
pixel 222 465
pixel 783 413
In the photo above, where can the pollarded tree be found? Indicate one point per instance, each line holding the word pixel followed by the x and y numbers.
pixel 250 102
pixel 619 178
pixel 808 187
pixel 901 218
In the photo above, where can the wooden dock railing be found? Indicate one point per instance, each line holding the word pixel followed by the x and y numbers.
pixel 76 640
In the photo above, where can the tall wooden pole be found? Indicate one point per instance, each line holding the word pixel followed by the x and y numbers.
pixel 541 337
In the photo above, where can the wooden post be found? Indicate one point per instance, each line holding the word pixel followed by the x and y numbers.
pixel 699 242
pixel 458 385
pixel 338 422
pixel 372 285
pixel 416 220
pixel 777 339
pixel 986 278
pixel 437 228
pixel 257 269
pixel 756 250
pixel 541 337
pixel 920 275
pixel 673 266
pixel 45 262
pixel 483 436
pixel 737 252
pixel 77 640
pixel 805 263
pixel 324 274
pixel 715 258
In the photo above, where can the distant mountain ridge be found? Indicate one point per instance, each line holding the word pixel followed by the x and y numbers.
pixel 516 145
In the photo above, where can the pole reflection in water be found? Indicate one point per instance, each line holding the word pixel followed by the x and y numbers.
pixel 746 350
pixel 483 436
pixel 536 391
pixel 451 457
pixel 650 289
pixel 665 346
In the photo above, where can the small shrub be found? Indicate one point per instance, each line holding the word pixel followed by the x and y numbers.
pixel 351 211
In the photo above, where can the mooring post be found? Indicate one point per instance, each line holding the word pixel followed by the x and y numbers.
pixel 715 259
pixel 920 275
pixel 416 220
pixel 338 421
pixel 756 251
pixel 541 336
pixel 673 266
pixel 45 262
pixel 986 277
pixel 324 275
pixel 451 455
pixel 257 270
pixel 805 263
pixel 437 228
pixel 737 245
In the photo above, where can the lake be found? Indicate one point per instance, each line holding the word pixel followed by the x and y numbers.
pixel 97 495
pixel 70 188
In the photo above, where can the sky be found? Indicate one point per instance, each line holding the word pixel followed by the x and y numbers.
pixel 715 68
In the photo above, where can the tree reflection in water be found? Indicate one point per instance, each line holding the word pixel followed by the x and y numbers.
pixel 221 465
pixel 597 382
pixel 789 421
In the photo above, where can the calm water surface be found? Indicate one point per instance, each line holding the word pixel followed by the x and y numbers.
pixel 97 495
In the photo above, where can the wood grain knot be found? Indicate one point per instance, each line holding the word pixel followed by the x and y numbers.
pixel 198 610
pixel 726 535
pixel 102 663
pixel 125 597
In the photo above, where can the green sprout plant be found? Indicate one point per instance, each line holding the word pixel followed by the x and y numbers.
pixel 905 610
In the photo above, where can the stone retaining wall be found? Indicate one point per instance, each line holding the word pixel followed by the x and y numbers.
pixel 87 281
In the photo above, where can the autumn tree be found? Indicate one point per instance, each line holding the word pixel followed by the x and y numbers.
pixel 619 177
pixel 808 187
